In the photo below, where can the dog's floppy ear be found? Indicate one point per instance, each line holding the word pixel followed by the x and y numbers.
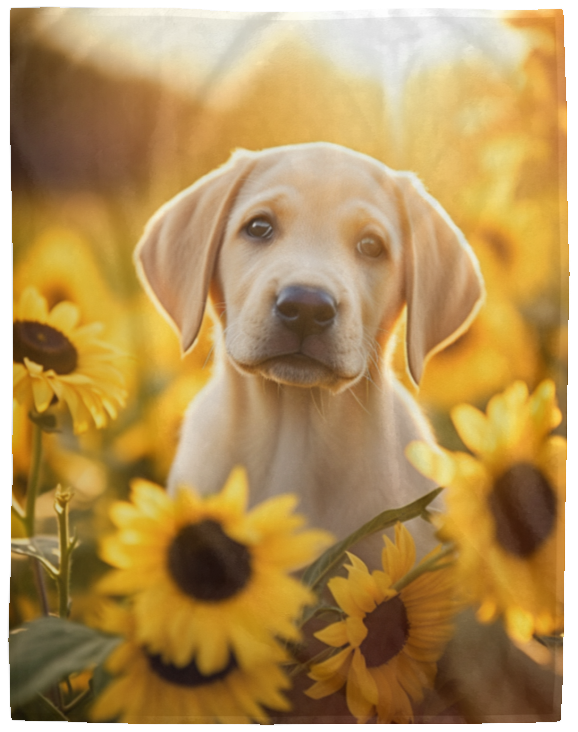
pixel 444 286
pixel 176 255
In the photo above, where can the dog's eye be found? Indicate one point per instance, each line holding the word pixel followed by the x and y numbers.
pixel 259 228
pixel 370 246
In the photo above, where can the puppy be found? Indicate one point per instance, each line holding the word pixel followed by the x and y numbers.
pixel 310 253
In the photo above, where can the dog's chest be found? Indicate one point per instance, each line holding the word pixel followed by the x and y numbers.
pixel 346 465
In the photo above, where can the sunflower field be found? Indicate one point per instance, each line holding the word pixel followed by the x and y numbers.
pixel 128 604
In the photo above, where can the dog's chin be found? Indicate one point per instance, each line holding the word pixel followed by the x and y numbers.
pixel 299 370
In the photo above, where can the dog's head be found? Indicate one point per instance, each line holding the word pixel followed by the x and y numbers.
pixel 310 253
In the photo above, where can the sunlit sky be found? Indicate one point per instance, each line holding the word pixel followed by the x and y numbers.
pixel 186 48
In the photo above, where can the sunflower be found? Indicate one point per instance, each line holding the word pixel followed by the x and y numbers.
pixel 209 578
pixel 59 262
pixel 54 359
pixel 149 690
pixel 505 507
pixel 498 348
pixel 389 641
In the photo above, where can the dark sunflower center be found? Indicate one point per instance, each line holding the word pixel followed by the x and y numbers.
pixel 524 508
pixel 44 345
pixel 207 564
pixel 387 631
pixel 188 675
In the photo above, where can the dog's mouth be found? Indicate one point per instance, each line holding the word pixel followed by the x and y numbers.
pixel 298 369
pixel 299 360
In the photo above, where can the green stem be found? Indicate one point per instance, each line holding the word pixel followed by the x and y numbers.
pixel 430 565
pixel 33 480
pixel 78 700
pixel 66 546
pixel 29 514
pixel 321 656
pixel 40 586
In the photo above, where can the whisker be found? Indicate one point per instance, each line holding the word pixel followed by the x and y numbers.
pixel 385 330
pixel 209 354
pixel 369 380
pixel 319 411
pixel 374 359
pixel 357 400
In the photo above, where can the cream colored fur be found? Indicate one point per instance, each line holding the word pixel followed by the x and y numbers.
pixel 332 425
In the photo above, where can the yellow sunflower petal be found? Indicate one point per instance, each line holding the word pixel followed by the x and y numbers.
pixel 430 461
pixel 35 369
pixel 43 394
pixel 120 582
pixel 544 411
pixel 519 624
pixel 363 678
pixel 274 513
pixel 64 316
pixel 472 426
pixel 504 411
pixel 357 562
pixel 250 649
pixel 383 583
pixel 32 306
pixel 406 547
pixel 188 503
pixel 363 588
pixel 333 635
pixel 291 552
pixel 22 392
pixel 326 687
pixel 487 611
pixel 234 495
pixel 334 665
pixel 19 372
pixel 151 499
pixel 356 630
pixel 90 331
pixel 390 560
pixel 112 700
pixel 214 656
pixel 359 705
pixel 81 417
pixel 553 460
pixel 238 687
pixel 382 682
pixel 341 591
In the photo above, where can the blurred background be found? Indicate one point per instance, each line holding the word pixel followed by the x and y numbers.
pixel 115 111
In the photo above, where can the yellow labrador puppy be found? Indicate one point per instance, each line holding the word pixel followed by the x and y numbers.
pixel 310 254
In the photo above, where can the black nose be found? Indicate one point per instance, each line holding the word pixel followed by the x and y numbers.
pixel 305 310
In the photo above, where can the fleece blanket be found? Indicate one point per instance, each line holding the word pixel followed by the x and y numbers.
pixel 132 603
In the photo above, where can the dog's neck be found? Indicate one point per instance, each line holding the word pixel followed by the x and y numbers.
pixel 294 439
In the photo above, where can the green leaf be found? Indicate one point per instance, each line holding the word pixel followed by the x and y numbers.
pixel 100 680
pixel 38 709
pixel 42 547
pixel 45 651
pixel 317 573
